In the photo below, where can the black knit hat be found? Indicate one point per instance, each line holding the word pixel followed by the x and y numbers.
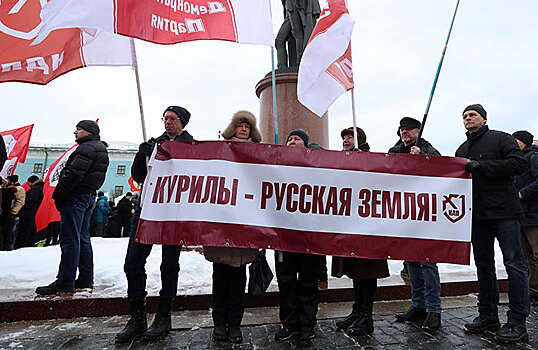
pixel 301 133
pixel 407 122
pixel 181 112
pixel 32 179
pixel 524 136
pixel 477 108
pixel 13 178
pixel 89 125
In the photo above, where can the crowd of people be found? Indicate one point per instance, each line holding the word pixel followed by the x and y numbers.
pixel 504 171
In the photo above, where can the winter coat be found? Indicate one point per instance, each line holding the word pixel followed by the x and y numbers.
pixel 139 169
pixel 102 209
pixel 231 256
pixel 85 170
pixel 494 193
pixel 527 185
pixel 125 206
pixel 18 201
pixel 34 197
pixel 425 148
pixel 359 268
pixel 3 153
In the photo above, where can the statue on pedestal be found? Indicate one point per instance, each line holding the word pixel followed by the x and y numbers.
pixel 299 21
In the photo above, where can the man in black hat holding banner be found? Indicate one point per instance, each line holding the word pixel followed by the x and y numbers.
pixel 83 174
pixel 494 160
pixel 175 119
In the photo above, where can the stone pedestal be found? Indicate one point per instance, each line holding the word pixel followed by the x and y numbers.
pixel 291 113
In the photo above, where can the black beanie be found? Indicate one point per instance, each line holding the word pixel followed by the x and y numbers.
pixel 301 133
pixel 89 125
pixel 478 108
pixel 32 179
pixel 13 178
pixel 408 122
pixel 181 112
pixel 524 136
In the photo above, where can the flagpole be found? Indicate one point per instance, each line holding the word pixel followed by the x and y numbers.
pixel 355 139
pixel 140 106
pixel 273 81
pixel 437 74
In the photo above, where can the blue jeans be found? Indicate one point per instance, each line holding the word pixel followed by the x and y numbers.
pixel 425 285
pixel 507 233
pixel 75 242
pixel 135 266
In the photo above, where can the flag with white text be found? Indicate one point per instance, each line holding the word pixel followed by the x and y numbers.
pixel 326 70
pixel 17 142
pixel 61 52
pixel 166 22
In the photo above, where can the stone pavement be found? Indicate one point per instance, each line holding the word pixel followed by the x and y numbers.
pixel 261 325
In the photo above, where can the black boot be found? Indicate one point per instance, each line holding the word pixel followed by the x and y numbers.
pixel 349 319
pixel 413 314
pixel 162 324
pixel 364 324
pixel 137 324
pixel 432 321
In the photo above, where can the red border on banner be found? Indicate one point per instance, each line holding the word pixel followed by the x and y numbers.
pixel 256 153
pixel 322 243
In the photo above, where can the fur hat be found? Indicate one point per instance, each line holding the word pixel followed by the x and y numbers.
pixel 361 136
pixel 89 125
pixel 242 117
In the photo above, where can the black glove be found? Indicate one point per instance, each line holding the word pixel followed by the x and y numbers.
pixel 472 166
pixel 145 148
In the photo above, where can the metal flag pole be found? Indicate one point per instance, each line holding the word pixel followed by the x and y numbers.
pixel 141 107
pixel 437 74
pixel 273 81
pixel 355 139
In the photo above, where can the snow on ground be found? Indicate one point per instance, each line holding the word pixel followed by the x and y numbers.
pixel 30 267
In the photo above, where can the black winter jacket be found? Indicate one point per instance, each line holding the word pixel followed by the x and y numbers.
pixel 34 197
pixel 124 209
pixel 527 185
pixel 3 153
pixel 85 169
pixel 494 193
pixel 139 169
pixel 425 148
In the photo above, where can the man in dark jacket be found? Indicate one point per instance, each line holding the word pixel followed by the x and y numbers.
pixel 27 228
pixel 527 185
pixel 424 276
pixel 83 174
pixel 495 159
pixel 175 119
pixel 125 212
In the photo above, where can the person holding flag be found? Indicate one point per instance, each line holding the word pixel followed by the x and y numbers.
pixel 83 174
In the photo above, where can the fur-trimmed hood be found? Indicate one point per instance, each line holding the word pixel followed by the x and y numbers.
pixel 243 117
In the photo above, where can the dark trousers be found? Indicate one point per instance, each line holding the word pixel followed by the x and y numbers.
pixel 228 290
pixel 297 275
pixel 75 242
pixel 27 232
pixel 507 232
pixel 135 267
pixel 8 232
pixel 364 292
pixel 100 229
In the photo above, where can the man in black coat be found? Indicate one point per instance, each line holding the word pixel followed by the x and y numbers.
pixel 495 159
pixel 175 119
pixel 424 276
pixel 83 174
pixel 527 185
pixel 125 208
pixel 27 228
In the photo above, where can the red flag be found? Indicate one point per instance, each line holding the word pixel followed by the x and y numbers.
pixel 47 212
pixel 165 22
pixel 326 70
pixel 17 142
pixel 135 186
pixel 62 51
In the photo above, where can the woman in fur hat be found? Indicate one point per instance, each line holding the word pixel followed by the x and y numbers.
pixel 229 264
pixel 363 272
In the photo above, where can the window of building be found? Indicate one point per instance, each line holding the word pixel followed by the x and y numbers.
pixel 121 170
pixel 118 191
pixel 38 168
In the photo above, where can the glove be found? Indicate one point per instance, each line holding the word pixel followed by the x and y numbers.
pixel 145 148
pixel 472 166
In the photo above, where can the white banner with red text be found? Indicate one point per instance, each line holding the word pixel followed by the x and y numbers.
pixel 355 204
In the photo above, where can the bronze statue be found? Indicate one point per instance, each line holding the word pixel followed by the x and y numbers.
pixel 299 21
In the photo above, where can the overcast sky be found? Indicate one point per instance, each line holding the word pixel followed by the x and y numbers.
pixel 397 44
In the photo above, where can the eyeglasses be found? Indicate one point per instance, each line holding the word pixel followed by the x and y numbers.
pixel 164 119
